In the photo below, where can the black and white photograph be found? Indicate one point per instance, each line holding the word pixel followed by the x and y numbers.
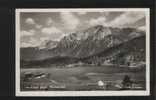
pixel 82 52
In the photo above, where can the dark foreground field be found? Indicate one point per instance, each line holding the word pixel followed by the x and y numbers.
pixel 80 78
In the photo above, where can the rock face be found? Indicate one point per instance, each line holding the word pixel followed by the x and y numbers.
pixel 88 42
pixel 94 41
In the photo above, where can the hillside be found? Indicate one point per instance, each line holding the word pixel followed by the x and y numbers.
pixel 130 51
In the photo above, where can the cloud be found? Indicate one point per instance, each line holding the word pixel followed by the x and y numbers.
pixel 126 19
pixel 25 44
pixel 30 21
pixel 31 42
pixel 52 33
pixel 27 33
pixel 38 26
pixel 142 28
pixel 44 38
pixel 32 31
pixel 70 21
pixel 50 30
pixel 98 21
pixel 49 21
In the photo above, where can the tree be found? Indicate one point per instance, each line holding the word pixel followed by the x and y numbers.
pixel 127 82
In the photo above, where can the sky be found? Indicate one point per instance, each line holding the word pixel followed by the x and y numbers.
pixel 36 27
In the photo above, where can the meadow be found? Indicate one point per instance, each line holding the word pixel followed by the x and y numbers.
pixel 81 78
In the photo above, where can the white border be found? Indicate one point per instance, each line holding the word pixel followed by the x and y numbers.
pixel 83 93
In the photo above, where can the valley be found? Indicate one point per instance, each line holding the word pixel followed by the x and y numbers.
pixel 81 78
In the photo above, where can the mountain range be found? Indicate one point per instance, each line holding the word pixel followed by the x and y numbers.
pixel 97 44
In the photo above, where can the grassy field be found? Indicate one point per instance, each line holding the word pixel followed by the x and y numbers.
pixel 80 78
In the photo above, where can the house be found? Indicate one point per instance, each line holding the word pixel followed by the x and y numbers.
pixel 101 83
